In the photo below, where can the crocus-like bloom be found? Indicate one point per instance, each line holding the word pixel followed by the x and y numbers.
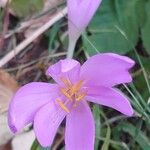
pixel 80 12
pixel 46 105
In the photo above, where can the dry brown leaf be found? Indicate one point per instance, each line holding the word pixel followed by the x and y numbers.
pixel 8 87
pixel 5 95
pixel 34 24
pixel 8 81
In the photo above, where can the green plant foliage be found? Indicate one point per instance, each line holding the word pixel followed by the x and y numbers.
pixel 96 114
pixel 23 8
pixel 53 36
pixel 146 28
pixel 106 143
pixel 36 146
pixel 136 134
pixel 140 11
pixel 139 80
pixel 116 26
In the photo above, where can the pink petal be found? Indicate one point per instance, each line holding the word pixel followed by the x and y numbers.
pixel 107 69
pixel 80 129
pixel 46 123
pixel 110 97
pixel 80 12
pixel 27 101
pixel 67 68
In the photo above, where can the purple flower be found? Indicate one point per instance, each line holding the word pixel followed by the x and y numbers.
pixel 46 105
pixel 80 12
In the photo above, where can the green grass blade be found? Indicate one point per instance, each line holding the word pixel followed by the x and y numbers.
pixel 96 114
pixel 136 134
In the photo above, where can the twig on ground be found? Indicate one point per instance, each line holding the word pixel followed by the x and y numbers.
pixel 27 41
pixel 5 24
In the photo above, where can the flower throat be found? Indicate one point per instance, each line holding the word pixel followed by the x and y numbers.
pixel 72 92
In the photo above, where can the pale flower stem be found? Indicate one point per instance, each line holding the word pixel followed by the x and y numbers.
pixel 71 48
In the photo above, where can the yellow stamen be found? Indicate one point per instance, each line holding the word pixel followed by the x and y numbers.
pixel 66 82
pixel 64 91
pixel 62 106
pixel 76 87
pixel 80 97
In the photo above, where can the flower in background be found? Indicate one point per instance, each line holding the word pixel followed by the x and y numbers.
pixel 80 12
pixel 46 105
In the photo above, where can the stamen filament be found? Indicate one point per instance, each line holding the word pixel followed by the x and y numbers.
pixel 76 87
pixel 66 82
pixel 66 94
pixel 62 105
pixel 71 92
pixel 80 97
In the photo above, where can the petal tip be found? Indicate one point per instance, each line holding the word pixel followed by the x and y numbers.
pixel 130 79
pixel 44 144
pixel 128 60
pixel 130 113
pixel 131 62
pixel 129 110
pixel 12 127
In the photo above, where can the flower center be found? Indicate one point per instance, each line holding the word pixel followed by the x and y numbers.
pixel 72 92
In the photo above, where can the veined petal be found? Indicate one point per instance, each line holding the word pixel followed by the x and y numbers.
pixel 80 12
pixel 80 129
pixel 109 97
pixel 27 101
pixel 67 68
pixel 46 123
pixel 107 69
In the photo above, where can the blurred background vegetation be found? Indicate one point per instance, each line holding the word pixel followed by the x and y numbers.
pixel 119 26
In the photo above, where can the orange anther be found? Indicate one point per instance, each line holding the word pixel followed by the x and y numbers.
pixel 80 97
pixel 64 91
pixel 76 87
pixel 66 82
pixel 72 92
pixel 62 105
